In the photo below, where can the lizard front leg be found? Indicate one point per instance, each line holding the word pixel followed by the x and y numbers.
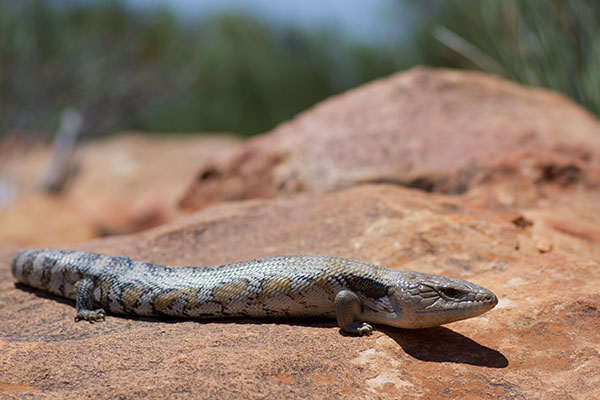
pixel 84 303
pixel 347 310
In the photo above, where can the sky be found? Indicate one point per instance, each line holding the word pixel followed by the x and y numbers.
pixel 363 20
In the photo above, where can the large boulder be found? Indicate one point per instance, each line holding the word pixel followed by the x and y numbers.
pixel 421 128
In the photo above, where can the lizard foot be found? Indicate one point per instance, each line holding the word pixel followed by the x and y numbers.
pixel 358 328
pixel 91 315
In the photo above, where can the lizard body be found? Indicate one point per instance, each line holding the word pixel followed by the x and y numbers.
pixel 354 292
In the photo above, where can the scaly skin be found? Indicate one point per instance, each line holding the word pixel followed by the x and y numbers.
pixel 354 292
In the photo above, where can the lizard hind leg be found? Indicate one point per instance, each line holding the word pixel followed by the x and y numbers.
pixel 347 309
pixel 84 303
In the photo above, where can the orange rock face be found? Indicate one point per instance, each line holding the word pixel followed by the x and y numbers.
pixel 524 225
pixel 417 128
pixel 122 184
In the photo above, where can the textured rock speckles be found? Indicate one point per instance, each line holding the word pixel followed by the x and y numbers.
pixel 545 328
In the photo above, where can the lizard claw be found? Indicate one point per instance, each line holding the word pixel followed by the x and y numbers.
pixel 91 315
pixel 358 328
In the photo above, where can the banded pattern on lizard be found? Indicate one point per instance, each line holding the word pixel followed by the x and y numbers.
pixel 355 293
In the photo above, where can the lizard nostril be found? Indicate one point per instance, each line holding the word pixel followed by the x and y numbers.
pixel 490 298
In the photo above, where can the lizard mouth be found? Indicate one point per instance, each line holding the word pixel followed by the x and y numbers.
pixel 482 302
pixel 475 307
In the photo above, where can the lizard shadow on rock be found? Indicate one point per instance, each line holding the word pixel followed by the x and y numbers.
pixel 441 344
pixel 43 294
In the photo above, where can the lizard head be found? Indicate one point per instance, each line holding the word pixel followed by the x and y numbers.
pixel 422 300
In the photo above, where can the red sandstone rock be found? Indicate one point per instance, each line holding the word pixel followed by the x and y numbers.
pixel 125 184
pixel 44 219
pixel 557 198
pixel 526 226
pixel 545 328
pixel 416 128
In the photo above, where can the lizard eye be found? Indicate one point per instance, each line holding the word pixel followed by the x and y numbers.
pixel 452 292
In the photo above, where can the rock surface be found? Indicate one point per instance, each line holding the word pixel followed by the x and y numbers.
pixel 525 226
pixel 418 128
pixel 557 198
pixel 125 183
pixel 545 328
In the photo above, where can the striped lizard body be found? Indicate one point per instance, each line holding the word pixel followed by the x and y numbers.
pixel 353 292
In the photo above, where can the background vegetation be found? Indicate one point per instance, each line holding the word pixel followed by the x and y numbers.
pixel 548 43
pixel 149 70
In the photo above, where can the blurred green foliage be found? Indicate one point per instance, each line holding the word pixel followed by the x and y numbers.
pixel 548 43
pixel 148 70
